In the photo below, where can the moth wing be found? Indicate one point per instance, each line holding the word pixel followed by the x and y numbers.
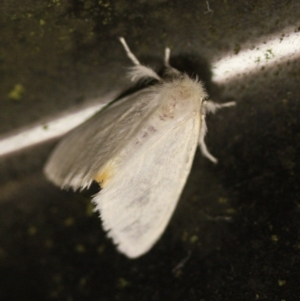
pixel 137 203
pixel 86 149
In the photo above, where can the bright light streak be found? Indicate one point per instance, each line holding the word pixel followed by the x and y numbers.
pixel 273 50
pixel 44 132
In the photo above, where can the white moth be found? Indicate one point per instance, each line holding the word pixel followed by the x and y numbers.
pixel 140 150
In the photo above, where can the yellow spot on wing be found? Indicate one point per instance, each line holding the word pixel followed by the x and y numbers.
pixel 102 177
pixel 105 174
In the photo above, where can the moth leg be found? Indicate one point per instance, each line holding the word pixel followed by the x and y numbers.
pixel 138 71
pixel 205 152
pixel 210 107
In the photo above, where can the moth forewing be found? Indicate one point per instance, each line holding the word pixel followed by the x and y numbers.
pixel 138 202
pixel 85 151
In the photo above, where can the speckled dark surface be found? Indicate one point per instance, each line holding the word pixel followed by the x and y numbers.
pixel 56 55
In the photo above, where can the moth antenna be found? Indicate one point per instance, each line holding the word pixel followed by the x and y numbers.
pixel 130 55
pixel 171 71
pixel 167 56
pixel 138 71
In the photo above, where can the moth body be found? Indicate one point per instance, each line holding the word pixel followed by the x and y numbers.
pixel 140 150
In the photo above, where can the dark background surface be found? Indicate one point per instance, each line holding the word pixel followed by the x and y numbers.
pixel 65 54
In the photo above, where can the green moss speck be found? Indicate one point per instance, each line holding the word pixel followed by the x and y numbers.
pixel 89 209
pixel 32 230
pixel 69 222
pixel 17 92
pixel 122 283
pixel 281 282
pixel 79 248
pixel 194 238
